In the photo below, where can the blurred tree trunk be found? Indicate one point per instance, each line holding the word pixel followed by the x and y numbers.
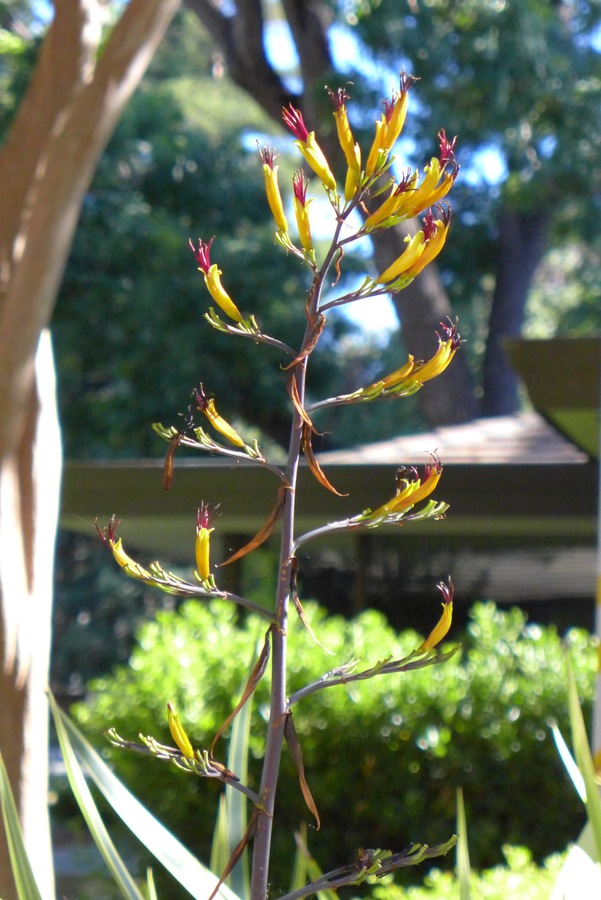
pixel 521 244
pixel 425 303
pixel 70 109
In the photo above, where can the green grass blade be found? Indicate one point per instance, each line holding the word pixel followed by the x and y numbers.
pixel 150 886
pixel 220 852
pixel 232 817
pixel 584 760
pixel 236 817
pixel 306 868
pixel 463 853
pixel 569 762
pixel 25 884
pixel 89 810
pixel 299 869
pixel 184 867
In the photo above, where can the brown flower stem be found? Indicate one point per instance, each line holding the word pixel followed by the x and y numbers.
pixel 279 703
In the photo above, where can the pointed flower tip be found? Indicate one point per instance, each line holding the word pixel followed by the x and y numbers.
pixel 293 119
pixel 108 535
pixel 410 488
pixel 447 150
pixel 202 254
pixel 205 516
pixel 441 629
pixel 447 589
pixel 406 80
pixel 203 540
pixel 299 186
pixel 268 155
pixel 432 222
pixel 338 97
pixel 450 333
pixel 206 405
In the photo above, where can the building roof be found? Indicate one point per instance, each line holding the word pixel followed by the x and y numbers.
pixel 508 478
pixel 523 439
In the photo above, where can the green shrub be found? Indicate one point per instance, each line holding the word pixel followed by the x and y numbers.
pixel 383 758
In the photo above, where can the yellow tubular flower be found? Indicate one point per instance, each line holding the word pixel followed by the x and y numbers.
pixel 439 178
pixel 301 210
pixel 423 489
pixel 302 220
pixel 399 375
pixel 352 176
pixel 129 565
pixel 390 125
pixel 441 628
pixel 408 259
pixel 272 189
pixel 435 232
pixel 377 147
pixel 316 159
pixel 212 277
pixel 207 406
pixel 178 734
pixel 202 546
pixel 411 489
pixel 396 115
pixel 392 204
pixel 345 136
pixel 220 295
pixel 349 146
pixel 309 147
pixel 443 356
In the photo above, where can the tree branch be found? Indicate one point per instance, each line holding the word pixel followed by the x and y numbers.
pixel 240 38
pixel 67 116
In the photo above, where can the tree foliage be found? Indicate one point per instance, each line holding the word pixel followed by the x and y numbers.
pixel 128 329
pixel 518 83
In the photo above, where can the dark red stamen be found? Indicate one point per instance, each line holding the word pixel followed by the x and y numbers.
pixel 338 97
pixel 447 589
pixel 450 333
pixel 202 254
pixel 293 118
pixel 203 516
pixel 299 186
pixel 268 155
pixel 447 149
pixel 200 397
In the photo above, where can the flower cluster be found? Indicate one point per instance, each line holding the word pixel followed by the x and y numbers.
pixel 372 199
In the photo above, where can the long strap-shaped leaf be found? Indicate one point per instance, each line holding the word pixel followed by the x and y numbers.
pixel 463 854
pixel 584 760
pixel 184 867
pixel 89 810
pixel 25 884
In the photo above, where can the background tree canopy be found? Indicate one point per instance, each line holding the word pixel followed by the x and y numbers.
pixel 130 339
pixel 516 82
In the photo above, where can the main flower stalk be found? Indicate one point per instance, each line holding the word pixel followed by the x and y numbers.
pixel 279 703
